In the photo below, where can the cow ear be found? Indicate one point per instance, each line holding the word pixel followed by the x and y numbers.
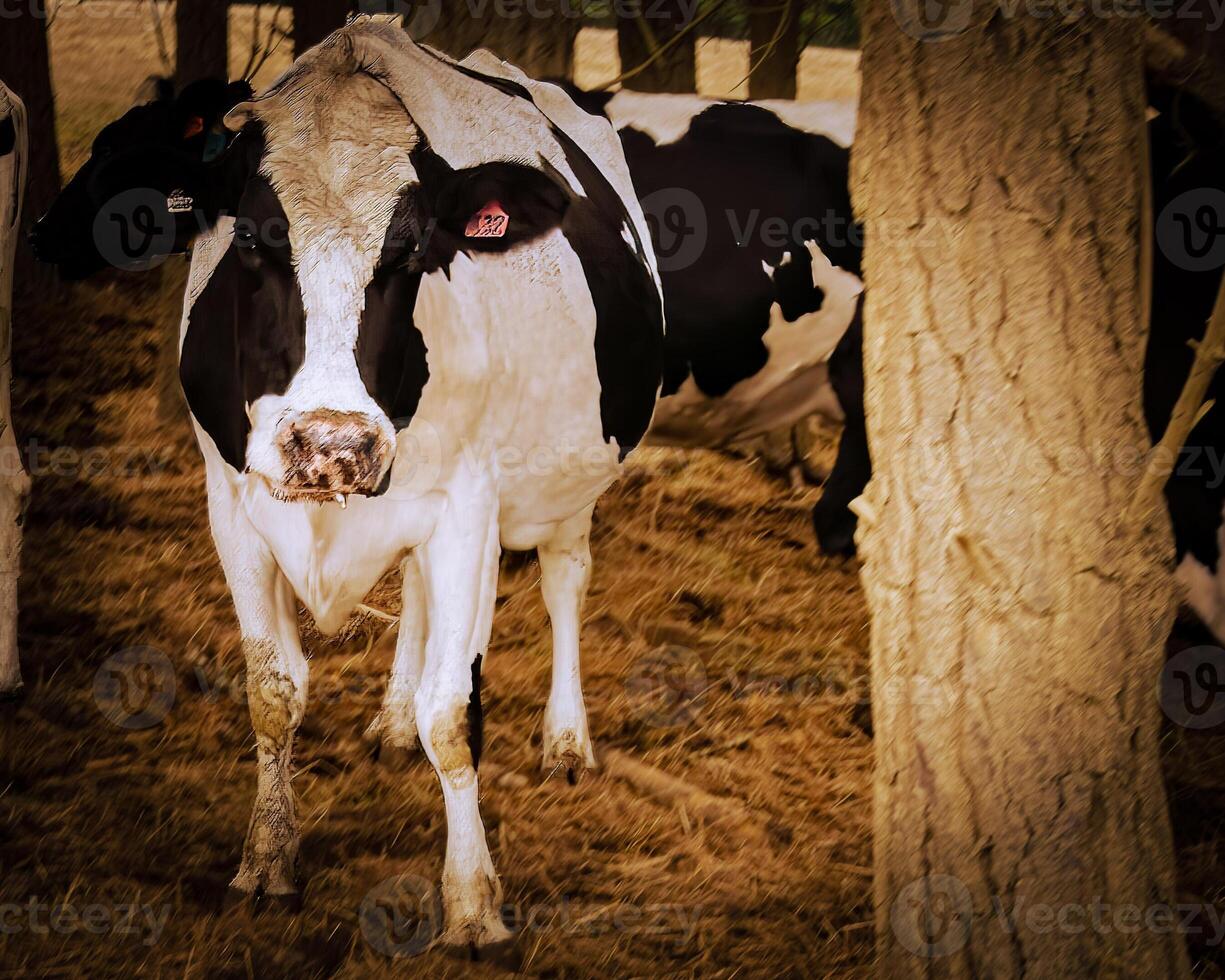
pixel 497 205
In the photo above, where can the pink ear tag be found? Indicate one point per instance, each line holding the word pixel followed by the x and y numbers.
pixel 489 222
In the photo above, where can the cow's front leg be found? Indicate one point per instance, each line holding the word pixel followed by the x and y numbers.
pixel 393 733
pixel 459 567
pixel 276 698
pixel 565 571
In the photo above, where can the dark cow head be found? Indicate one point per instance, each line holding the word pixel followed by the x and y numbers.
pixel 300 358
pixel 140 195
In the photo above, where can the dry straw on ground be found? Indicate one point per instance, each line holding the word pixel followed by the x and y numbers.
pixel 720 651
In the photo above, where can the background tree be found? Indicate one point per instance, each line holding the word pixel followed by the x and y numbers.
pixel 201 31
pixel 774 48
pixel 26 69
pixel 543 46
pixel 654 36
pixel 1018 617
pixel 313 20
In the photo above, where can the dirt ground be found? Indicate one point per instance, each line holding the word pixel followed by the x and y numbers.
pixel 720 649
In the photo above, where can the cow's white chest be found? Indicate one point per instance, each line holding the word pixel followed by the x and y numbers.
pixel 793 384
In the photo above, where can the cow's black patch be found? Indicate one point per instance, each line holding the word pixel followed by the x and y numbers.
pixel 8 136
pixel 246 336
pixel 391 353
pixel 476 715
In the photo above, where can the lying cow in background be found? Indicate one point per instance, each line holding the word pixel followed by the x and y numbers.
pixel 385 320
pixel 749 206
pixel 14 483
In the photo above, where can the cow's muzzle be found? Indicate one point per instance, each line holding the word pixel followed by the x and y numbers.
pixel 328 454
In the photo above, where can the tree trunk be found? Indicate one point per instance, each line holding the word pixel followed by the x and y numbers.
pixel 26 68
pixel 1017 621
pixel 774 48
pixel 313 20
pixel 202 32
pixel 14 483
pixel 643 31
pixel 543 46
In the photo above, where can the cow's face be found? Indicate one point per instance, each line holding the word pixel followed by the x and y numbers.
pixel 301 359
pixel 141 194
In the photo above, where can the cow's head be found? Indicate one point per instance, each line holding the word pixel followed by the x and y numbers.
pixel 128 205
pixel 300 358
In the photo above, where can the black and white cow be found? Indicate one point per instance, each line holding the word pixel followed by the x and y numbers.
pixel 749 206
pixel 14 483
pixel 179 135
pixel 423 324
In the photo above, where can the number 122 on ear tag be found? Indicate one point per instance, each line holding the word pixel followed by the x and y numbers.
pixel 491 221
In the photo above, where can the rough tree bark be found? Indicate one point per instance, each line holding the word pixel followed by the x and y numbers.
pixel 26 68
pixel 774 48
pixel 14 483
pixel 537 37
pixel 643 29
pixel 202 45
pixel 313 20
pixel 1017 618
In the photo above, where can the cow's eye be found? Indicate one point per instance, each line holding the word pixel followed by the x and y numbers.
pixel 244 236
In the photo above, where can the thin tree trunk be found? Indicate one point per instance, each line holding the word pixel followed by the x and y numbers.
pixel 774 48
pixel 1017 619
pixel 313 20
pixel 644 32
pixel 26 68
pixel 14 483
pixel 202 32
pixel 543 46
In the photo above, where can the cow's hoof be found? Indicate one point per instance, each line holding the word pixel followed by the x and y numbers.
pixel 504 954
pixel 393 752
pixel 288 903
pixel 490 942
pixel 567 752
